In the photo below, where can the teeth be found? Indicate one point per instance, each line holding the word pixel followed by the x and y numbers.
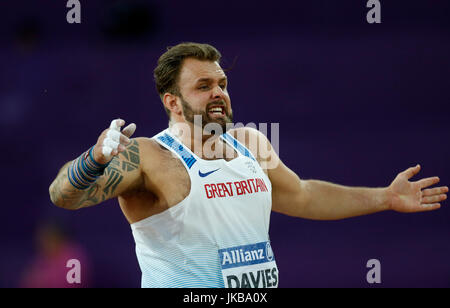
pixel 217 109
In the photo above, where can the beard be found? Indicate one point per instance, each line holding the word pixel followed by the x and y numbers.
pixel 190 113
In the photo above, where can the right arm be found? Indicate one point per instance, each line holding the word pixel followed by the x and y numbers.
pixel 121 175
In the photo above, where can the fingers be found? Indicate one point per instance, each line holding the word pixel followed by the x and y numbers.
pixel 109 143
pixel 435 191
pixel 115 142
pixel 129 130
pixel 428 182
pixel 117 137
pixel 107 151
pixel 434 199
pixel 430 207
pixel 117 124
pixel 410 172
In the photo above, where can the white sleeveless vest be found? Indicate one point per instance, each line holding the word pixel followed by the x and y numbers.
pixel 218 235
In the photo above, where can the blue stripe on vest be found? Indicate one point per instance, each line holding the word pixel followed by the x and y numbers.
pixel 238 146
pixel 187 157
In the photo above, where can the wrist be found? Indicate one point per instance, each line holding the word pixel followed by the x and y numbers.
pixel 93 160
pixel 85 170
pixel 387 198
pixel 96 154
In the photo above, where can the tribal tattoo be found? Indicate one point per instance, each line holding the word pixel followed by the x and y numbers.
pixel 104 188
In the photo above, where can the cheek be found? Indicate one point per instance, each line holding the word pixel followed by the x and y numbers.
pixel 227 96
pixel 199 106
pixel 195 101
pixel 228 100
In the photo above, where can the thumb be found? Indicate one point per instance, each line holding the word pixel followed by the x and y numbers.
pixel 410 172
pixel 129 130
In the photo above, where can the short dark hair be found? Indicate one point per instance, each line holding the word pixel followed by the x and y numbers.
pixel 167 71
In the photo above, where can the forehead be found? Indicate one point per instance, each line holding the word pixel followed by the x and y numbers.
pixel 193 70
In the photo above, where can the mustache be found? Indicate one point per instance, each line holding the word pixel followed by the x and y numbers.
pixel 216 103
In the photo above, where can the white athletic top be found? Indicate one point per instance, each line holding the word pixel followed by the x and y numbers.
pixel 218 235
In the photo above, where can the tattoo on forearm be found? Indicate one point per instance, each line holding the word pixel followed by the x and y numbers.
pixel 89 197
pixel 95 194
pixel 57 191
pixel 114 178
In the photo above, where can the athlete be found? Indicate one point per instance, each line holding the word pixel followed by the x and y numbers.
pixel 199 203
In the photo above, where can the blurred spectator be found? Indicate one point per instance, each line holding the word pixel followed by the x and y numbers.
pixel 48 268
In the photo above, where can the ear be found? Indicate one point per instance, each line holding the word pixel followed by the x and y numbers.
pixel 171 102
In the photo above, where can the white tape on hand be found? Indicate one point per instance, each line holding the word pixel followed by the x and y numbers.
pixel 112 140
pixel 106 151
pixel 111 143
pixel 113 135
pixel 115 125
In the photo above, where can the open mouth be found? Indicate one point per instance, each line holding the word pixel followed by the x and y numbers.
pixel 216 111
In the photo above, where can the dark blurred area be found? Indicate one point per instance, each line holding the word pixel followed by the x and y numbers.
pixel 356 102
pixel 126 21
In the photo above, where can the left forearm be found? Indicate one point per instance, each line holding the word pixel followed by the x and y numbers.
pixel 331 201
pixel 321 200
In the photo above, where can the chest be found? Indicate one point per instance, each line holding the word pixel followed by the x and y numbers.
pixel 170 183
pixel 164 187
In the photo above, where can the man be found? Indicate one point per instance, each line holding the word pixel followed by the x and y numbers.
pixel 199 203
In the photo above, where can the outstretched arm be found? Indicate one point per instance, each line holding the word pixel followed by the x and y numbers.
pixel 322 200
pixel 327 201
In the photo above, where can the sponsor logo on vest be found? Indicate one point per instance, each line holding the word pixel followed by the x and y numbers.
pixel 249 266
pixel 201 174
pixel 237 256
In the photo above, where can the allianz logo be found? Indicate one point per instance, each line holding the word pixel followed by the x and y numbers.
pixel 233 256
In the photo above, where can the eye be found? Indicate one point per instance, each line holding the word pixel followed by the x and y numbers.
pixel 223 86
pixel 204 87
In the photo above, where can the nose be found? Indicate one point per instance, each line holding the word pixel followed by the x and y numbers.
pixel 218 92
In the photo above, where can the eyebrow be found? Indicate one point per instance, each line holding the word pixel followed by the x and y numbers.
pixel 210 79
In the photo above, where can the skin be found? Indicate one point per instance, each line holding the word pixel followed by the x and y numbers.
pixel 148 179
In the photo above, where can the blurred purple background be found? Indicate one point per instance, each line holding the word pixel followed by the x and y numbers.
pixel 356 102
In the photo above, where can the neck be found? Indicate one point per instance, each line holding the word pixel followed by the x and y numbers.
pixel 201 143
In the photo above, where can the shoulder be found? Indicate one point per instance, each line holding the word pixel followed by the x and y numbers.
pixel 146 144
pixel 147 147
pixel 254 140
pixel 246 135
pixel 151 154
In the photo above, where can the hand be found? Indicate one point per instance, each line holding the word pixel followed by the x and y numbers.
pixel 408 197
pixel 111 142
